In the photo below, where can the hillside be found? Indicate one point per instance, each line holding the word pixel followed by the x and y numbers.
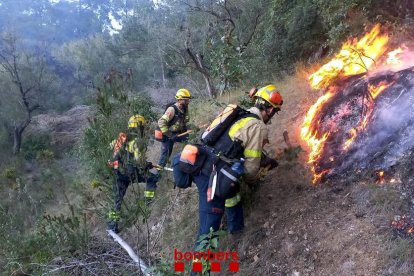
pixel 73 72
pixel 293 227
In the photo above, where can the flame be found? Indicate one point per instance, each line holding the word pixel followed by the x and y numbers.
pixel 394 57
pixel 375 90
pixel 307 133
pixel 380 177
pixel 355 57
pixel 312 137
pixel 352 134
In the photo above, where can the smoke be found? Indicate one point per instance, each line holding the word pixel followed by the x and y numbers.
pixel 389 135
pixel 396 60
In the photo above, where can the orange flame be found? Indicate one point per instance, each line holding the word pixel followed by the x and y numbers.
pixel 353 134
pixel 311 136
pixel 394 56
pixel 375 90
pixel 308 134
pixel 355 57
pixel 380 177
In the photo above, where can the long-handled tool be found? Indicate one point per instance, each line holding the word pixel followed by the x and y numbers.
pixel 160 168
pixel 185 133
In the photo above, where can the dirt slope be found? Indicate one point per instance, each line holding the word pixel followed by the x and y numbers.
pixel 337 228
pixel 293 227
pixel 297 229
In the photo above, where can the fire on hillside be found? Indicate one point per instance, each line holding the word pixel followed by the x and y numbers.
pixel 365 118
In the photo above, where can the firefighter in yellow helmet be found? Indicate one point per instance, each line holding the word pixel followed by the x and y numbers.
pixel 172 123
pixel 129 164
pixel 244 139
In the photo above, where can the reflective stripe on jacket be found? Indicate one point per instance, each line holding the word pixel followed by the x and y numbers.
pixel 252 133
pixel 149 194
pixel 134 150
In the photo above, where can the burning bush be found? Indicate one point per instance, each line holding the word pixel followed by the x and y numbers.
pixel 365 119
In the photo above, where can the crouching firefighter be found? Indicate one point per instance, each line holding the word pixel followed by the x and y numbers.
pixel 129 165
pixel 234 151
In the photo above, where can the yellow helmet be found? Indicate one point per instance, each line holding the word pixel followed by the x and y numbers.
pixel 183 94
pixel 270 94
pixel 136 120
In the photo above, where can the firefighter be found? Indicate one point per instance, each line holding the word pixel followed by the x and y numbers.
pixel 245 138
pixel 129 164
pixel 173 123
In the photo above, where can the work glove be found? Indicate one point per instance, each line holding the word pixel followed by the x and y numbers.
pixel 267 162
pixel 171 135
pixel 149 166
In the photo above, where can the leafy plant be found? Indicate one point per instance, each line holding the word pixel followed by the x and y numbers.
pixel 10 173
pixel 35 146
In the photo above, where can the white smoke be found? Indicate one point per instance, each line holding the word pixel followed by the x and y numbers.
pixel 390 134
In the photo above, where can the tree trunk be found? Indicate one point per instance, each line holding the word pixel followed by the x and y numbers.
pixel 209 87
pixel 162 65
pixel 18 131
pixel 17 141
pixel 206 75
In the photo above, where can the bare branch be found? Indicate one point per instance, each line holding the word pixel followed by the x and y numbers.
pixel 250 37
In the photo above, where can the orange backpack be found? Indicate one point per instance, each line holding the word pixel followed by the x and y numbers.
pixel 122 137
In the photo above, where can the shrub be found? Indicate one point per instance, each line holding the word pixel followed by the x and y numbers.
pixel 10 173
pixel 32 146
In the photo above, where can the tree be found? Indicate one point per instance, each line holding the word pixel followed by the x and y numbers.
pixel 27 74
pixel 232 27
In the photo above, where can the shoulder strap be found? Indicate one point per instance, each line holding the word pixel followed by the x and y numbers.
pixel 245 114
pixel 177 115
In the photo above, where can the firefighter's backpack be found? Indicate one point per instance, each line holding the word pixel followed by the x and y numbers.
pixel 158 133
pixel 221 123
pixel 187 164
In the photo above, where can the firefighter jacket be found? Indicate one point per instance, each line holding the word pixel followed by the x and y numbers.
pixel 252 134
pixel 174 120
pixel 130 153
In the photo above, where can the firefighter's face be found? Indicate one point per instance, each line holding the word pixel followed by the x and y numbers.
pixel 268 114
pixel 183 102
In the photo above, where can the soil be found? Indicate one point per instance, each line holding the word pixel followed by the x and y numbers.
pixel 310 230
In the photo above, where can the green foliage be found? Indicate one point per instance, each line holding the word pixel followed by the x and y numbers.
pixel 10 173
pixel 115 103
pixel 37 146
pixel 29 236
pixel 68 231
pixel 46 155
pixel 54 236
pixel 165 267
pixel 292 153
pixel 402 250
pixel 207 242
pixel 245 101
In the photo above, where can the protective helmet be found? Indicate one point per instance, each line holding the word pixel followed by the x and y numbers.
pixel 269 94
pixel 136 121
pixel 183 94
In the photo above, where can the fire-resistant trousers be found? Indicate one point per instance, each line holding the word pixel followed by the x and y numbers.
pixel 123 181
pixel 211 213
pixel 167 146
